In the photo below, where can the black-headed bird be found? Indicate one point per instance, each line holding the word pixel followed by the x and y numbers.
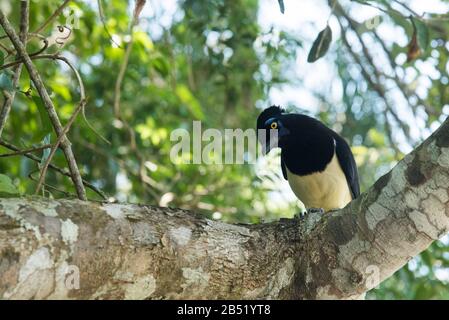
pixel 316 161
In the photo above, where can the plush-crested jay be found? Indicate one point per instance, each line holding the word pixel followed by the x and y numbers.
pixel 316 161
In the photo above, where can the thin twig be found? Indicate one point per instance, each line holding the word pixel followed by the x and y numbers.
pixel 22 152
pixel 17 62
pixel 77 75
pixel 9 51
pixel 118 84
pixel 117 95
pixel 53 16
pixel 9 96
pixel 38 83
pixel 406 7
pixel 48 186
pixel 371 5
pixel 121 75
pixel 83 94
pixel 103 21
pixel 56 145
pixel 149 184
pixel 377 74
pixel 64 172
pixel 375 86
pixel 60 138
pixel 41 49
pixel 406 93
pixel 332 11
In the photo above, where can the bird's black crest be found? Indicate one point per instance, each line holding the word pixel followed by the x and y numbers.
pixel 267 114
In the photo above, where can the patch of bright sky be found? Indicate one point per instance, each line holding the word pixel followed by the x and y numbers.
pixel 158 15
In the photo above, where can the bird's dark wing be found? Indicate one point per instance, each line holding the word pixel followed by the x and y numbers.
pixel 284 168
pixel 348 165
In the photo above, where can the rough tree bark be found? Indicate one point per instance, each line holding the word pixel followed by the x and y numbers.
pixel 142 252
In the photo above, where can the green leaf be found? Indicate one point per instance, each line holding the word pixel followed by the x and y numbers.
pixel 2 57
pixel 186 97
pixel 281 6
pixel 7 188
pixel 5 82
pixel 45 120
pixel 161 65
pixel 320 45
pixel 422 33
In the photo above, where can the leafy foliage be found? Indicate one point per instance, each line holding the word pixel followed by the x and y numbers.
pixel 7 188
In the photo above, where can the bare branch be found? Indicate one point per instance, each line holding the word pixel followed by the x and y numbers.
pixel 53 16
pixel 48 186
pixel 375 86
pixel 9 96
pixel 57 143
pixel 78 78
pixel 22 152
pixel 120 77
pixel 35 77
pixel 406 7
pixel 64 172
pixel 103 21
pixel 118 84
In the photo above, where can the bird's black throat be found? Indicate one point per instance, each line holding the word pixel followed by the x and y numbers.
pixel 306 152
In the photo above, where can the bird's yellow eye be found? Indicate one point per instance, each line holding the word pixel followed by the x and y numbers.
pixel 274 125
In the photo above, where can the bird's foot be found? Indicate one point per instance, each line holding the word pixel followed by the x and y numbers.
pixel 301 215
pixel 315 210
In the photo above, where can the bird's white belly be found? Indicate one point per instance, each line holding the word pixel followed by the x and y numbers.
pixel 327 189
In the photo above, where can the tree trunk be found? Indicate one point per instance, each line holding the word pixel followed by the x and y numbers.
pixel 70 249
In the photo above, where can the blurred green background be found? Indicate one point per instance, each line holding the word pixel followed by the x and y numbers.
pixel 221 62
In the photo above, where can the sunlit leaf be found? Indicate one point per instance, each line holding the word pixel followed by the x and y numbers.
pixel 161 65
pixel 190 101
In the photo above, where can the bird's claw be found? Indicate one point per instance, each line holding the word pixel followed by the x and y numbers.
pixel 315 210
pixel 302 214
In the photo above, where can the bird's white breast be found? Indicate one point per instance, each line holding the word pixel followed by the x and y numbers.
pixel 327 189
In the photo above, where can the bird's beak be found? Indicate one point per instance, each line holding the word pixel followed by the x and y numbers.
pixel 275 136
pixel 267 147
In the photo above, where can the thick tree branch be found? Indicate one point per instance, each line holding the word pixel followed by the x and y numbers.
pixel 134 251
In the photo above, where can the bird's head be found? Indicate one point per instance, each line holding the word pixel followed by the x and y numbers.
pixel 272 119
